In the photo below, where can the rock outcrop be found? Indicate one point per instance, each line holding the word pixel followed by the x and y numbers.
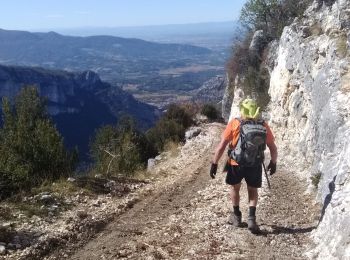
pixel 310 97
pixel 310 115
pixel 227 100
pixel 56 86
pixel 258 43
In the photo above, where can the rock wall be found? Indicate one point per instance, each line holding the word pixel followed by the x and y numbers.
pixel 68 92
pixel 310 115
pixel 310 109
pixel 226 100
pixel 233 95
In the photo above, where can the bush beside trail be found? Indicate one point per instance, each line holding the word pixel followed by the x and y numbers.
pixel 33 153
pixel 123 150
pixel 31 148
pixel 210 112
pixel 120 149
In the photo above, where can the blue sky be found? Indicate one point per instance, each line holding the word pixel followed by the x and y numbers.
pixel 51 14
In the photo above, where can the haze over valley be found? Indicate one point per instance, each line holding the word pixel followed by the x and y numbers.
pixel 88 80
pixel 156 73
pixel 213 35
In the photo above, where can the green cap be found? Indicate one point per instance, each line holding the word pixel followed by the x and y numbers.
pixel 249 108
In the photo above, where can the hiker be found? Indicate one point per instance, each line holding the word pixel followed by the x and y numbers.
pixel 248 137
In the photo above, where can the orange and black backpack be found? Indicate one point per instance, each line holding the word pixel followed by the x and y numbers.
pixel 249 150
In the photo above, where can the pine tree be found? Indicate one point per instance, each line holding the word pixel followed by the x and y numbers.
pixel 31 148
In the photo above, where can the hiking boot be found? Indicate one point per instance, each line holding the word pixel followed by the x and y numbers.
pixel 235 220
pixel 252 226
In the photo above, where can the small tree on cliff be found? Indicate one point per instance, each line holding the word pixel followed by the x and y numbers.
pixel 271 15
pixel 31 148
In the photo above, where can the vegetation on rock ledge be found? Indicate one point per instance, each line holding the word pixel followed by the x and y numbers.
pixel 246 67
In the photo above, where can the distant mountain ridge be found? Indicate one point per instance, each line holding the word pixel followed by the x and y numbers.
pixel 127 47
pixel 211 35
pixel 78 102
pixel 112 57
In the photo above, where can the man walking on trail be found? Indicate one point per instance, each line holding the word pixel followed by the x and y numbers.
pixel 248 137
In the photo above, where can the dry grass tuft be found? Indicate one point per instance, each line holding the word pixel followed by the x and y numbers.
pixel 172 148
pixel 342 46
pixel 345 83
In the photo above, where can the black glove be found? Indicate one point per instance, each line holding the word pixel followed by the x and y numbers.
pixel 213 169
pixel 272 167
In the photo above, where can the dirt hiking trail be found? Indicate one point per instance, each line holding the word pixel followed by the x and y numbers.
pixel 184 216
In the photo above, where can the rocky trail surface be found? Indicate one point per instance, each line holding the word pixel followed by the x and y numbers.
pixel 183 215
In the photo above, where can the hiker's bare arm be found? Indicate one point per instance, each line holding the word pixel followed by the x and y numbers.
pixel 220 150
pixel 273 151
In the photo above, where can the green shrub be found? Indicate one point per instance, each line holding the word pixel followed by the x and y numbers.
pixel 191 108
pixel 210 111
pixel 239 61
pixel 315 179
pixel 255 78
pixel 120 149
pixel 170 128
pixel 179 115
pixel 32 150
pixel 166 130
pixel 271 15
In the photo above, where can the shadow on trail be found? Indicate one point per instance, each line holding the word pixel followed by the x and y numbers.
pixel 285 230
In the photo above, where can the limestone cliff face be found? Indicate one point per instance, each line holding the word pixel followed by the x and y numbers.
pixel 310 109
pixel 310 115
pixel 226 101
pixel 66 92
pixel 57 86
pixel 232 97
pixel 78 102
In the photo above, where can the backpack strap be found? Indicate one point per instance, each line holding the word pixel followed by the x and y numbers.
pixel 253 122
pixel 261 122
pixel 231 147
